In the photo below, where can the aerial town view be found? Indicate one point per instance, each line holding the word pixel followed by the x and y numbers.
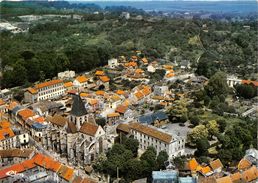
pixel 128 91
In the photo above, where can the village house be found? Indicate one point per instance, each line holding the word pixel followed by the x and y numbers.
pixel 68 86
pixel 11 139
pixel 44 91
pixel 13 156
pixel 112 118
pixel 80 82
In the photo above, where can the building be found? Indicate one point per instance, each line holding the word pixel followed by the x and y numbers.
pixel 232 80
pixel 112 63
pixel 44 91
pixel 80 82
pixel 66 74
pixel 151 136
pixel 170 176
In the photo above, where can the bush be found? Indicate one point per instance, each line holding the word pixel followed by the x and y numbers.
pixel 195 120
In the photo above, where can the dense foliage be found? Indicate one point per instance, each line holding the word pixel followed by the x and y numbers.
pixel 122 160
pixel 57 44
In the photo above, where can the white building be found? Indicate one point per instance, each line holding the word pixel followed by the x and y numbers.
pixel 151 68
pixel 44 91
pixel 14 142
pixel 233 80
pixel 112 63
pixel 66 74
pixel 150 136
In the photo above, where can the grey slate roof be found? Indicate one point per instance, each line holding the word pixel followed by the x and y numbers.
pixel 150 118
pixel 78 107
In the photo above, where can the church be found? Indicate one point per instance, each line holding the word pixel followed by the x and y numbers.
pixel 76 136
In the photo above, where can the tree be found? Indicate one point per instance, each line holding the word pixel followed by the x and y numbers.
pixel 148 159
pixel 133 170
pixel 132 145
pixel 213 127
pixel 197 133
pixel 195 120
pixel 222 125
pixel 217 85
pixel 161 158
pixel 202 146
pixel 178 110
pixel 246 91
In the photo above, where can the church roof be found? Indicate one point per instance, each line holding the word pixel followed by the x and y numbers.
pixel 78 107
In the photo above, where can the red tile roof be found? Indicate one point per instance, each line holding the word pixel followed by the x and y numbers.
pixel 48 83
pixel 26 113
pixel 151 132
pixel 89 129
pixel 82 79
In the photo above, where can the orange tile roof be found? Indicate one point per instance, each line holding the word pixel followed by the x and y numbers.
pixel 226 179
pixel 168 67
pixel 66 172
pixel 115 98
pixel 131 64
pixel 139 71
pixel 93 101
pixel 205 170
pixel 126 102
pixel 12 105
pixel 100 73
pixel 193 164
pixel 100 92
pixel 48 83
pixel 104 79
pixel 5 124
pixel 250 174
pixel 82 79
pixel 120 92
pixel 151 132
pixel 236 176
pixel 68 84
pixel 146 90
pixel 216 164
pixel 84 94
pixel 6 132
pixel 121 109
pixel 26 113
pixel 40 119
pixel 139 95
pixel 134 57
pixel 89 129
pixel 244 164
pixel 32 90
pixel 2 102
pixel 111 115
pixel 169 75
pixel 144 60
pixel 255 83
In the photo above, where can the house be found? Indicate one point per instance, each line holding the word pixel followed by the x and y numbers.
pixel 144 61
pixel 160 90
pixel 112 118
pixel 185 64
pixel 23 115
pixel 157 118
pixel 44 91
pixel 68 86
pixel 9 140
pixel 150 136
pixel 13 156
pixel 103 82
pixel 152 67
pixel 112 63
pixel 216 166
pixel 99 73
pixel 80 82
pixel 3 106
